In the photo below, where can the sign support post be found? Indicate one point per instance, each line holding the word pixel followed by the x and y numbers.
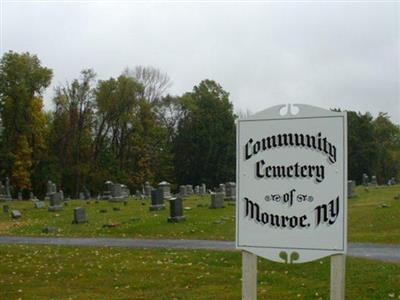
pixel 338 281
pixel 249 276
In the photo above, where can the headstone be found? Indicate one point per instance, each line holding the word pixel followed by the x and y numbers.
pixel 157 200
pixel 55 202
pixel 221 189
pixel 86 193
pixel 53 188
pixel 230 191
pixel 16 214
pixel 62 195
pixel 107 192
pixel 32 197
pixel 217 200
pixel 79 215
pixel 351 188
pixel 373 182
pixel 166 188
pixel 50 229
pixel 147 189
pixel 40 204
pixel 203 189
pixel 49 188
pixel 138 194
pixel 7 194
pixel 182 190
pixel 81 196
pixel 365 179
pixel 176 210
pixel 189 189
pixel 197 190
pixel 6 208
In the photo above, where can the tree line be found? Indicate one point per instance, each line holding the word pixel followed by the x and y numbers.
pixel 129 130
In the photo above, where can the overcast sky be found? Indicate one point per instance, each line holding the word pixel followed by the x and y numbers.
pixel 331 55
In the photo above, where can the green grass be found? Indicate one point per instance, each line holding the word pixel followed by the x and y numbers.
pixel 368 222
pixel 52 272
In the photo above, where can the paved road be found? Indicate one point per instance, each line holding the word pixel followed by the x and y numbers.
pixel 374 251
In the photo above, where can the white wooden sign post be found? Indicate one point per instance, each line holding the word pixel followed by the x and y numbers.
pixel 292 190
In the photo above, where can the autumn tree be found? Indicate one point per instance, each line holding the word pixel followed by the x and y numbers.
pixel 22 81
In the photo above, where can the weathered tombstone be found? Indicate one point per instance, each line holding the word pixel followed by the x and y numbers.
pixel 182 190
pixel 157 200
pixel 203 189
pixel 222 189
pixel 39 204
pixel 107 192
pixel 62 195
pixel 217 200
pixel 230 191
pixel 351 188
pixel 365 179
pixel 32 197
pixel 147 189
pixel 166 188
pixel 86 193
pixel 19 196
pixel 7 195
pixel 138 194
pixel 81 196
pixel 189 189
pixel 53 188
pixel 55 202
pixel 373 182
pixel 16 214
pixel 176 210
pixel 283 213
pixel 197 190
pixel 50 229
pixel 79 215
pixel 125 191
pixel 6 208
pixel 49 189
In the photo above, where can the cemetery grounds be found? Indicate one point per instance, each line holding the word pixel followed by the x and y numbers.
pixel 66 272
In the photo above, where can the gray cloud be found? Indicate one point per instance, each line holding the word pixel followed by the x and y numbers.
pixel 325 54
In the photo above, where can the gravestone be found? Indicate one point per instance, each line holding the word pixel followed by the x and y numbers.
pixel 19 196
pixel 365 179
pixel 217 200
pixel 5 193
pixel 221 189
pixel 351 188
pixel 106 195
pixel 147 189
pixel 138 194
pixel 166 188
pixel 157 200
pixel 62 195
pixel 81 196
pixel 176 210
pixel 373 182
pixel 182 190
pixel 6 208
pixel 55 202
pixel 203 189
pixel 86 193
pixel 189 189
pixel 50 229
pixel 16 214
pixel 230 191
pixel 40 204
pixel 32 197
pixel 197 190
pixel 79 216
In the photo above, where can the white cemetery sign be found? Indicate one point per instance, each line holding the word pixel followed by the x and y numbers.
pixel 292 184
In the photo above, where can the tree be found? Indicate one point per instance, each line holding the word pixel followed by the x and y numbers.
pixel 204 146
pixel 22 81
pixel 72 130
pixel 155 82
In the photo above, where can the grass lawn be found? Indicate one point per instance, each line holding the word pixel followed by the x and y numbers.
pixel 52 272
pixel 368 222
